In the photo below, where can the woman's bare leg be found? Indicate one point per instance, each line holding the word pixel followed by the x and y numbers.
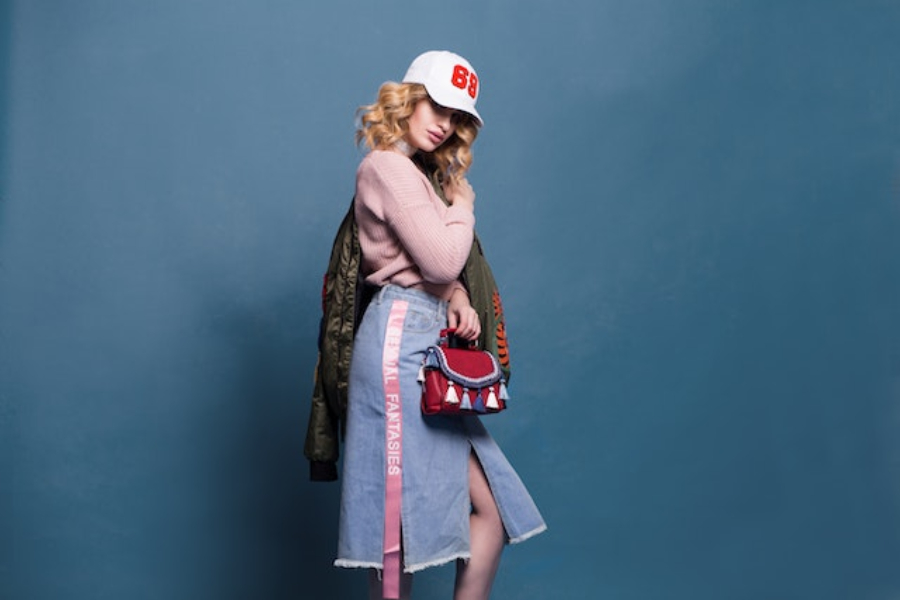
pixel 486 536
pixel 375 585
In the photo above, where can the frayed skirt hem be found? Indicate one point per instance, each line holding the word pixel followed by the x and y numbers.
pixel 362 564
pixel 529 535
pixel 357 564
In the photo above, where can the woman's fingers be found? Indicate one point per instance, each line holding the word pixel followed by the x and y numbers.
pixel 466 323
pixel 460 192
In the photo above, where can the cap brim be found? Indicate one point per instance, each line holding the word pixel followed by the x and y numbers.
pixel 451 103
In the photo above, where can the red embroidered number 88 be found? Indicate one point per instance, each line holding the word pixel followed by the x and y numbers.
pixel 462 78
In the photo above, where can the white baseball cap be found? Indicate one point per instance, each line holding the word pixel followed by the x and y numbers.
pixel 449 79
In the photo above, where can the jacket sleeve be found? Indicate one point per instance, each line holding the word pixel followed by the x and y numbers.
pixel 340 304
pixel 321 447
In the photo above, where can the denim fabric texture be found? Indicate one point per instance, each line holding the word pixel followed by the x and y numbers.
pixel 435 504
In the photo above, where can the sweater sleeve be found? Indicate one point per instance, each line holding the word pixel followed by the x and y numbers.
pixel 438 244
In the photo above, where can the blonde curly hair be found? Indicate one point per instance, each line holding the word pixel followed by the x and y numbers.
pixel 384 123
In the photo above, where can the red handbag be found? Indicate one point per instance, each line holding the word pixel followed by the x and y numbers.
pixel 459 379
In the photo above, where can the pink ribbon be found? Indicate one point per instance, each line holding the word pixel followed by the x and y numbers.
pixel 393 446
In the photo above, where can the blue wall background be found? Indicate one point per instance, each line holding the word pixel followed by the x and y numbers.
pixel 692 209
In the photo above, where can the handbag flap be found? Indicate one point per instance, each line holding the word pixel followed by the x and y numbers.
pixel 470 368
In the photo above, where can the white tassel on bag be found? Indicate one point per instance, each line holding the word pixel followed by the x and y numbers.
pixel 451 397
pixel 492 400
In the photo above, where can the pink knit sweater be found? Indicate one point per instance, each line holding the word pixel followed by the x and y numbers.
pixel 408 236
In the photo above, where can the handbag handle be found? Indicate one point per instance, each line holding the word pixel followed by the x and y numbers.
pixel 451 340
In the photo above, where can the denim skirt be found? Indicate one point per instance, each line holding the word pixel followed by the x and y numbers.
pixel 434 505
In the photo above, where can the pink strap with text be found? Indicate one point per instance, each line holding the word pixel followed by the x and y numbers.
pixel 393 446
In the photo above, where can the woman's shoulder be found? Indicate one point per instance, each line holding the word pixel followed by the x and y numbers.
pixel 387 163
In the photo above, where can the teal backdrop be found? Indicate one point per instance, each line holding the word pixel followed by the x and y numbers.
pixel 692 209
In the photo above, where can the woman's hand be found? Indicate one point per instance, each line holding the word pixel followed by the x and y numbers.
pixel 462 317
pixel 460 194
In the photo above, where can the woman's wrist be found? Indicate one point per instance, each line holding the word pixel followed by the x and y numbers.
pixel 459 297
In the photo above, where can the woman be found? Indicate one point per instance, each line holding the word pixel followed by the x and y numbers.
pixel 439 483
